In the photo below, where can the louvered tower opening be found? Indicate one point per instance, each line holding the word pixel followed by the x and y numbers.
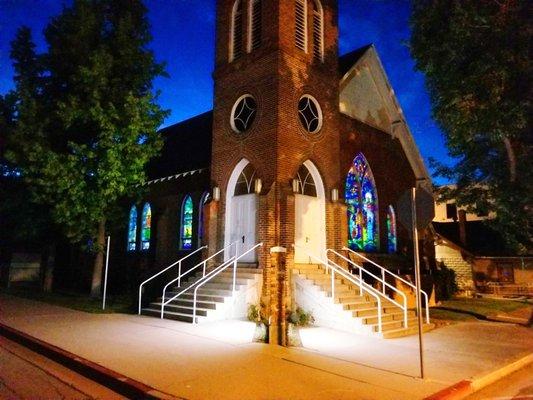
pixel 301 25
pixel 255 23
pixel 237 31
pixel 318 32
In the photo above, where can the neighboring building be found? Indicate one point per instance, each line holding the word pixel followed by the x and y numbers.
pixel 477 254
pixel 302 148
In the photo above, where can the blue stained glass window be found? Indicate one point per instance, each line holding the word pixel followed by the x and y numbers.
pixel 362 201
pixel 186 223
pixel 146 231
pixel 132 229
pixel 392 244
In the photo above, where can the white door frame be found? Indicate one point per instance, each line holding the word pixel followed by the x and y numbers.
pixel 321 194
pixel 230 189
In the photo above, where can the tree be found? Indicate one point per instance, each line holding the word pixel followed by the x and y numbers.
pixel 475 56
pixel 87 117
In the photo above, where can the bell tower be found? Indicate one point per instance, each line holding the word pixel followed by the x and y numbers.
pixel 275 108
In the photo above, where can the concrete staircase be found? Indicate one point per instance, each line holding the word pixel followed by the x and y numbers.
pixel 348 310
pixel 214 299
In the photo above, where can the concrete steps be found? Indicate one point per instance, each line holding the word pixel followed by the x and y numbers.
pixel 363 308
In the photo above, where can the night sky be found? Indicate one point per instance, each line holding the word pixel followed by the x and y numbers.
pixel 183 36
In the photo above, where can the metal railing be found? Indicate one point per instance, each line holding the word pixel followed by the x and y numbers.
pixel 202 263
pixel 383 282
pixel 333 268
pixel 386 271
pixel 178 263
pixel 215 272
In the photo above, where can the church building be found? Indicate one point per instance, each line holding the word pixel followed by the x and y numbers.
pixel 294 175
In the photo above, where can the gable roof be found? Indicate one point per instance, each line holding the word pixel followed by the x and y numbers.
pixel 187 146
pixel 348 60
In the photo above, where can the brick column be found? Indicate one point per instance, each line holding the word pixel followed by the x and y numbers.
pixel 211 237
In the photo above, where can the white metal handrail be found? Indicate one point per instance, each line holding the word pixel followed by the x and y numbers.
pixel 384 284
pixel 385 270
pixel 333 268
pixel 215 272
pixel 166 269
pixel 202 263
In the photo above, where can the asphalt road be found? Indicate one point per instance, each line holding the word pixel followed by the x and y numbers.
pixel 26 375
pixel 517 386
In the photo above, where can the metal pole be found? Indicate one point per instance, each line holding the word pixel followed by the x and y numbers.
pixel 106 268
pixel 417 281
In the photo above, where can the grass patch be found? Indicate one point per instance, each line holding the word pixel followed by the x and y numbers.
pixel 114 304
pixel 448 315
pixel 485 306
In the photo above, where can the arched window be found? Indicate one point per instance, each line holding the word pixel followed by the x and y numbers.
pixel 300 21
pixel 245 181
pixel 187 210
pixel 254 25
pixel 236 32
pixel 146 231
pixel 362 200
pixel 318 31
pixel 306 183
pixel 203 201
pixel 392 244
pixel 132 229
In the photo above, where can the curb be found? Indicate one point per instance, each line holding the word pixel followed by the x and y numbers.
pixel 115 381
pixel 464 388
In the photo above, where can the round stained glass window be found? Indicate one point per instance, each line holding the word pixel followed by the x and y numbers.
pixel 310 114
pixel 243 113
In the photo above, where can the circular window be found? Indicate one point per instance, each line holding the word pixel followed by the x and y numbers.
pixel 310 113
pixel 243 113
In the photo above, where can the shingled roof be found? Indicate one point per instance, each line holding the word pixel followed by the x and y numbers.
pixel 348 60
pixel 187 147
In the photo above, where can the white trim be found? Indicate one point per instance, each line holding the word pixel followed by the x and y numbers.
pixel 230 188
pixel 232 114
pixel 319 109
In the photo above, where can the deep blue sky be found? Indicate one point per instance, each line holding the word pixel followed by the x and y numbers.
pixel 183 32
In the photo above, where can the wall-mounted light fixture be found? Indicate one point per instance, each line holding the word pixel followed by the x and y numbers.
pixel 216 193
pixel 334 195
pixel 295 186
pixel 258 185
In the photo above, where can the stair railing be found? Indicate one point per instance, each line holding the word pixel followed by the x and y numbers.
pixel 200 264
pixel 333 268
pixel 217 271
pixel 178 263
pixel 386 271
pixel 383 282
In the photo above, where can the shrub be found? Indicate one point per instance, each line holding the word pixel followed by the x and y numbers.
pixel 301 318
pixel 445 282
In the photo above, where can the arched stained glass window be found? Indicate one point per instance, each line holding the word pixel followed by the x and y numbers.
pixel 132 229
pixel 186 223
pixel 362 200
pixel 203 201
pixel 146 232
pixel 392 244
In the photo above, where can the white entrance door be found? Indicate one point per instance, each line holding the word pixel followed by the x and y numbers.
pixel 308 229
pixel 243 221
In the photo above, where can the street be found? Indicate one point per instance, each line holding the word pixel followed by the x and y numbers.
pixel 28 375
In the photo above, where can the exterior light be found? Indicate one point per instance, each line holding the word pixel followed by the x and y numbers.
pixel 216 193
pixel 295 185
pixel 258 185
pixel 334 195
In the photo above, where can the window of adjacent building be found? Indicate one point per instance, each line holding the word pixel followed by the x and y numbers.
pixel 362 201
pixel 132 229
pixel 187 210
pixel 300 20
pixel 392 243
pixel 318 31
pixel 451 211
pixel 236 30
pixel 243 113
pixel 310 113
pixel 146 227
pixel 255 25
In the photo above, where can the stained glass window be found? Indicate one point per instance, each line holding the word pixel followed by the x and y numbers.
pixel 146 227
pixel 362 201
pixel 391 230
pixel 132 229
pixel 186 223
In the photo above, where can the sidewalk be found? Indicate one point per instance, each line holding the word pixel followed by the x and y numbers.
pixel 218 360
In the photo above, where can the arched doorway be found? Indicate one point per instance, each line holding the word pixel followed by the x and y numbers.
pixel 309 213
pixel 241 210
